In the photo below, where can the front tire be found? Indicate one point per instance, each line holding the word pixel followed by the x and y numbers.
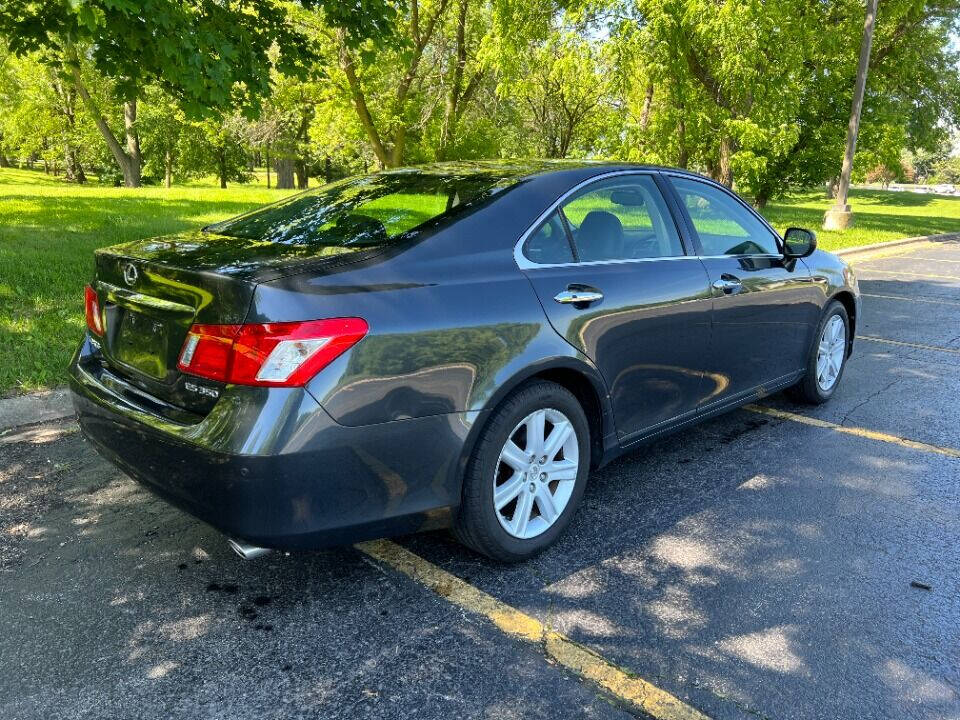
pixel 827 358
pixel 526 475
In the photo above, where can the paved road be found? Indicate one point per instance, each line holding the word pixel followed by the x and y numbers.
pixel 753 567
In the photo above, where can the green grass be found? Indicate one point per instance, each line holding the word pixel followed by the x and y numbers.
pixel 49 229
pixel 879 216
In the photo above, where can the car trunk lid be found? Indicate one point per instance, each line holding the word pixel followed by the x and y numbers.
pixel 152 291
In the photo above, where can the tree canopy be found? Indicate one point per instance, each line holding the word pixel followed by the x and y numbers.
pixel 755 94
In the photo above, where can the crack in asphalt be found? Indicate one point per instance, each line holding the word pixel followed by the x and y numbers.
pixel 870 398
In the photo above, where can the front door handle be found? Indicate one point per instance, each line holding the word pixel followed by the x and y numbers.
pixel 578 296
pixel 728 284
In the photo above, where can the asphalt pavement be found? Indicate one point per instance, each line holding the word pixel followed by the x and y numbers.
pixel 755 566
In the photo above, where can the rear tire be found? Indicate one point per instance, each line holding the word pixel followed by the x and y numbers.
pixel 827 358
pixel 520 492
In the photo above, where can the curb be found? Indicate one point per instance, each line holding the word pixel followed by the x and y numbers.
pixel 55 404
pixel 35 408
pixel 864 249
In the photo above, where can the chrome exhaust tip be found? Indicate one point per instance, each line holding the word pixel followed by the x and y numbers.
pixel 246 550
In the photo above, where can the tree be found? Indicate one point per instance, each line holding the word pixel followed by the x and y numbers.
pixel 839 217
pixel 162 126
pixel 209 55
pixel 387 133
pixel 561 90
pixel 215 146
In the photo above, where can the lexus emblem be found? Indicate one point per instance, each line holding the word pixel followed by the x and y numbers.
pixel 130 273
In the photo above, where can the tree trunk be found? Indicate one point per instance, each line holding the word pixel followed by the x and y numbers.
pixel 645 112
pixel 726 171
pixel 300 170
pixel 853 127
pixel 363 112
pixel 167 168
pixel 266 155
pixel 448 130
pixel 831 190
pixel 399 145
pixel 131 175
pixel 284 168
pixel 72 169
pixel 327 170
pixel 683 155
pixel 222 169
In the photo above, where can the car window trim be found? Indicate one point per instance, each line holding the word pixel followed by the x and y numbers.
pixel 524 263
pixel 569 233
pixel 746 206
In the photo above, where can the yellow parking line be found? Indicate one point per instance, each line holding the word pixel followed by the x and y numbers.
pixel 921 346
pixel 559 648
pixel 910 299
pixel 933 259
pixel 911 274
pixel 859 432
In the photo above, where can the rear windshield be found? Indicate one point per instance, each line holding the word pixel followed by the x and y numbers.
pixel 368 211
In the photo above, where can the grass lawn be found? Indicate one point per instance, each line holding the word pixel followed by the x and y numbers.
pixel 878 216
pixel 48 230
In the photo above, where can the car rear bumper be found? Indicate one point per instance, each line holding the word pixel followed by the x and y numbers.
pixel 270 466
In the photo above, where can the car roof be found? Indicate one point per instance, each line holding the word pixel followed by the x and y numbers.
pixel 530 168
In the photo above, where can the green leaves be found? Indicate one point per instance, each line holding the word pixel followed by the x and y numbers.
pixel 211 55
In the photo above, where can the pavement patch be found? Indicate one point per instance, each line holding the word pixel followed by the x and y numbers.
pixel 34 408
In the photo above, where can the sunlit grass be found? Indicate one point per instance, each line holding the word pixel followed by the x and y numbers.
pixel 878 215
pixel 49 229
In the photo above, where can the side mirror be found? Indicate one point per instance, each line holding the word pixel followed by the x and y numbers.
pixel 798 243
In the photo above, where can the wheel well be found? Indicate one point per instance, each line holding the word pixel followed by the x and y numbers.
pixel 846 299
pixel 586 395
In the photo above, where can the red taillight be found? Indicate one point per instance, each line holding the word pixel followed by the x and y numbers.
pixel 92 309
pixel 282 354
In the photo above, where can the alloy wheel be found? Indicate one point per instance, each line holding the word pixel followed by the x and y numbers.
pixel 536 473
pixel 830 352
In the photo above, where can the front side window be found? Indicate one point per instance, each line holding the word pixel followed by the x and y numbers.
pixel 622 218
pixel 724 226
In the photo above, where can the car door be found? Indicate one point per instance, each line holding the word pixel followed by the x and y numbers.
pixel 764 306
pixel 616 281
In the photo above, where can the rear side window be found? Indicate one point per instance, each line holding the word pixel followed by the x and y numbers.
pixel 622 218
pixel 549 245
pixel 370 211
pixel 725 227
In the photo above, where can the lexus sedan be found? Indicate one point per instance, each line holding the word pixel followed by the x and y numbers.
pixel 455 345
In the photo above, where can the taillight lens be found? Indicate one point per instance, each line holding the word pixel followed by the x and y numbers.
pixel 91 306
pixel 280 354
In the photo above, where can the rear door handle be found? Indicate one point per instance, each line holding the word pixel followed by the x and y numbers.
pixel 576 296
pixel 728 284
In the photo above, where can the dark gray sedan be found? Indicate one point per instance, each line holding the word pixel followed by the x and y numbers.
pixel 453 345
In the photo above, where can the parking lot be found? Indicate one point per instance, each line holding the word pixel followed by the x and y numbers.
pixel 757 566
